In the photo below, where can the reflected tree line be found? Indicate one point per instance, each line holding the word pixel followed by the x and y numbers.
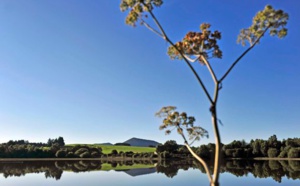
pixel 259 169
pixel 264 169
pixel 54 169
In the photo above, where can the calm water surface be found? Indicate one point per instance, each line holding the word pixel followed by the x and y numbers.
pixel 52 174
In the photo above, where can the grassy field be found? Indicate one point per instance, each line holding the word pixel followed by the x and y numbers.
pixel 108 148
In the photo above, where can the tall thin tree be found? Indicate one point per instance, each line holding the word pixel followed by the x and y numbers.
pixel 201 46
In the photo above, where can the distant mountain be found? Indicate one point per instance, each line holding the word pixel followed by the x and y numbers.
pixel 141 142
pixel 140 171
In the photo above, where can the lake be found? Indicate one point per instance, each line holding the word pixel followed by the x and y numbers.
pixel 175 173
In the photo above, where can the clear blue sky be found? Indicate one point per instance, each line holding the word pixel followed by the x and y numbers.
pixel 72 68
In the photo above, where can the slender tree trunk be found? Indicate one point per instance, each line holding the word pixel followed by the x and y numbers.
pixel 217 147
pixel 203 163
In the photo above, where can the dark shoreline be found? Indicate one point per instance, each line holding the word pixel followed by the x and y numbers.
pixel 15 160
pixel 264 158
pixel 73 159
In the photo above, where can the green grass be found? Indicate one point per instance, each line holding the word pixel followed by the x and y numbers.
pixel 108 148
pixel 108 167
pixel 45 148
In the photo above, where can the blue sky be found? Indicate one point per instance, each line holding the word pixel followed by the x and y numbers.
pixel 72 68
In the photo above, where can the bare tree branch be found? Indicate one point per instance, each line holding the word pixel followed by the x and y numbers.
pixel 216 92
pixel 190 59
pixel 201 161
pixel 183 56
pixel 184 138
pixel 243 54
pixel 192 142
pixel 212 73
pixel 152 29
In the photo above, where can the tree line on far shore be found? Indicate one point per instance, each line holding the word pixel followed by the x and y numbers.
pixel 258 148
pixel 55 148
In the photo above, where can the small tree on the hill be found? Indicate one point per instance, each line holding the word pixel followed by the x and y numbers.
pixel 201 46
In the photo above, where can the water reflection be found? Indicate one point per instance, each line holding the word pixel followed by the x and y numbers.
pixel 264 169
pixel 54 169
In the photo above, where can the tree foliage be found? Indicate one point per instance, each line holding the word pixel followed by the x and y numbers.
pixel 272 152
pixel 137 8
pixel 60 141
pixel 170 146
pixel 294 153
pixel 265 148
pixel 269 18
pixel 195 44
pixel 19 149
pixel 180 121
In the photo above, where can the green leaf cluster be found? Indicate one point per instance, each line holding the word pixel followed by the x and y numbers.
pixel 269 18
pixel 137 8
pixel 180 122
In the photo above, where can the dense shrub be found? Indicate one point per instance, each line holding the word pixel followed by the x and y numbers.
pixel 228 152
pixel 294 153
pixel 95 154
pixel 166 154
pixel 81 151
pixel 85 155
pixel 169 146
pixel 98 150
pixel 295 165
pixel 234 153
pixel 129 154
pixel 274 165
pixel 71 155
pixel 152 155
pixel 238 153
pixel 121 153
pixel 76 147
pixel 202 151
pixel 136 155
pixel 283 154
pixel 80 166
pixel 114 152
pixel 55 147
pixel 248 152
pixel 272 152
pixel 61 154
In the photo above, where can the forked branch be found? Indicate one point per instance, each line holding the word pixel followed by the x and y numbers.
pixel 243 54
pixel 184 125
pixel 212 73
pixel 165 37
pixel 152 29
pixel 201 161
